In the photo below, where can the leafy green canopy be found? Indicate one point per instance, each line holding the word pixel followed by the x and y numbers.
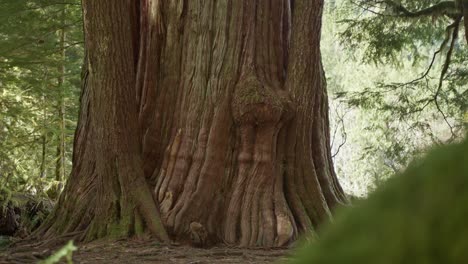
pixel 33 86
pixel 417 217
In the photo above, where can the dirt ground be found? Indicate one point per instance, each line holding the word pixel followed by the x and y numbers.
pixel 133 251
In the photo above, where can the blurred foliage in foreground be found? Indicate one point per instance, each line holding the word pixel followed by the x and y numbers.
pixel 417 217
pixel 64 252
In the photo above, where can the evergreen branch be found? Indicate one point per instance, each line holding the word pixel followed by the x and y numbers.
pixel 448 31
pixel 368 9
pixel 43 35
pixel 448 8
pixel 43 7
pixel 442 8
pixel 73 44
pixel 444 72
pixel 343 131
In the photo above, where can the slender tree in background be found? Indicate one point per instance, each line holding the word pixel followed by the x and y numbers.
pixel 60 162
pixel 213 113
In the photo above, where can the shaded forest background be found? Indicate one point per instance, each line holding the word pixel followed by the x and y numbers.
pixel 396 86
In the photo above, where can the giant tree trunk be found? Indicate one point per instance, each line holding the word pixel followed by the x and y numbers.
pixel 220 105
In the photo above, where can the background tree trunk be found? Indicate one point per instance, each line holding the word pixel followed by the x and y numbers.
pixel 232 131
pixel 60 162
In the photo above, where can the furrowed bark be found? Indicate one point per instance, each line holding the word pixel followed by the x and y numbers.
pixel 219 107
pixel 250 139
pixel 107 194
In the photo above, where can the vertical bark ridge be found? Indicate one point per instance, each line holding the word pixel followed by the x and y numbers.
pixel 260 108
pixel 70 215
pixel 181 191
pixel 205 126
pixel 307 87
pixel 258 89
pixel 107 190
pixel 160 119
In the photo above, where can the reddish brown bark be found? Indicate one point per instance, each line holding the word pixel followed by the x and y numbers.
pixel 107 194
pixel 232 123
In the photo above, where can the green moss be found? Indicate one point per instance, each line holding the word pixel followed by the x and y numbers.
pixel 256 102
pixel 249 91
pixel 117 230
pixel 139 226
pixel 120 227
pixel 420 216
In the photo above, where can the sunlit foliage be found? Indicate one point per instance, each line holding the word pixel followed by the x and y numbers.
pixel 398 82
pixel 36 78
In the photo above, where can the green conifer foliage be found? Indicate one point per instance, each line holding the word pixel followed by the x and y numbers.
pixel 40 58
pixel 388 103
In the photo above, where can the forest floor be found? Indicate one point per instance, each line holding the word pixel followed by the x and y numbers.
pixel 138 251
